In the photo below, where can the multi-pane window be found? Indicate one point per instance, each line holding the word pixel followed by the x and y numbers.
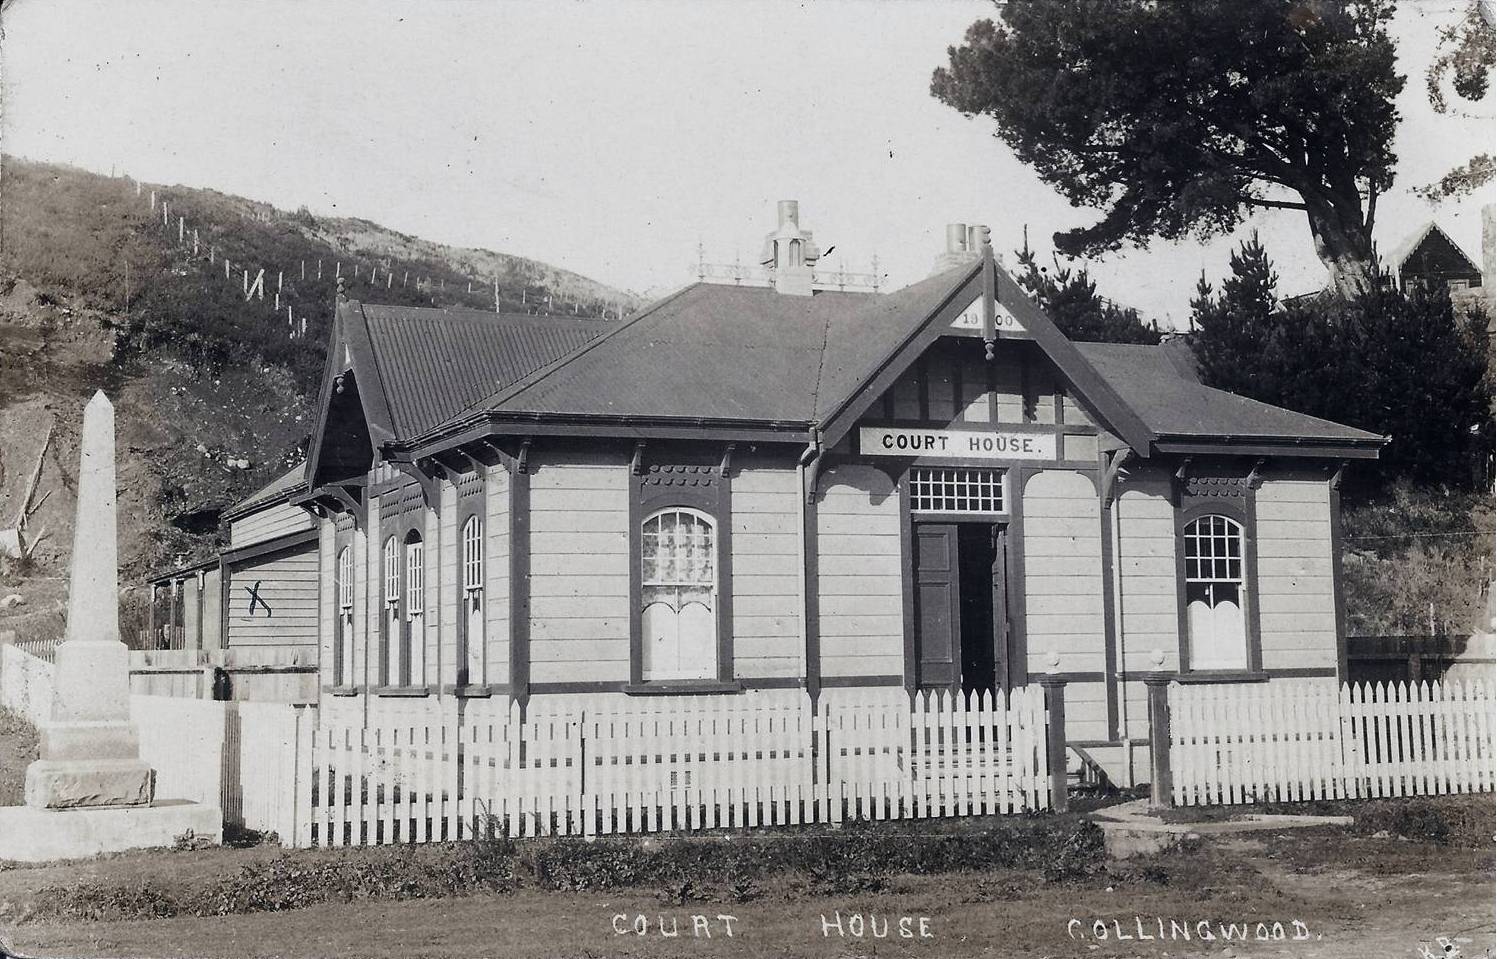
pixel 956 490
pixel 679 595
pixel 1215 593
pixel 391 625
pixel 391 567
pixel 414 638
pixel 343 658
pixel 472 601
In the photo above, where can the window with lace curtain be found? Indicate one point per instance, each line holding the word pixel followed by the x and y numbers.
pixel 679 595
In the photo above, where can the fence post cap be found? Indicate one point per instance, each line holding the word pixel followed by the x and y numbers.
pixel 1051 680
pixel 1158 679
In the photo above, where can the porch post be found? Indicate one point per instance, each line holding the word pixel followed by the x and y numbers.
pixel 1162 782
pixel 1055 739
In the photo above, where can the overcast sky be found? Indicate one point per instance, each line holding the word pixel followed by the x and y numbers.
pixel 612 137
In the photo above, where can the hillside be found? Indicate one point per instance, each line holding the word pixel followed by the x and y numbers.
pixel 100 288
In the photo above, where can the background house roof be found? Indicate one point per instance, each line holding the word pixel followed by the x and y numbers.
pixel 1449 250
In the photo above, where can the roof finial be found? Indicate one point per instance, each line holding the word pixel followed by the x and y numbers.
pixel 989 297
pixel 342 293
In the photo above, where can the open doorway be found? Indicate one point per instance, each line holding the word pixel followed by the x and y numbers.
pixel 961 610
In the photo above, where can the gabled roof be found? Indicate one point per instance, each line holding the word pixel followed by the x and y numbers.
pixel 433 361
pixel 1413 241
pixel 1177 408
pixel 271 493
pixel 728 361
pixel 413 366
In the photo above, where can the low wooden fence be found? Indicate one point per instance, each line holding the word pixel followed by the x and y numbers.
pixel 683 764
pixel 1295 741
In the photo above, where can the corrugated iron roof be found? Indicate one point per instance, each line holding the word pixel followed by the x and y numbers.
pixel 433 362
pixel 272 492
pixel 1172 404
pixel 748 355
pixel 708 352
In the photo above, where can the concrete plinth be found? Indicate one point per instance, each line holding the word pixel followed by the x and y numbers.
pixel 40 835
pixel 69 783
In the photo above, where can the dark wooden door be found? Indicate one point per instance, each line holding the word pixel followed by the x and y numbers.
pixel 937 605
pixel 1000 607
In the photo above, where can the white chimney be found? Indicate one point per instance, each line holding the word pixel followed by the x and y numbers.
pixel 962 248
pixel 789 252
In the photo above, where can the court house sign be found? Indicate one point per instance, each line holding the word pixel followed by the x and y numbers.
pixel 961 444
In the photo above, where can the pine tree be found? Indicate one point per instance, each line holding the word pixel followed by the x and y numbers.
pixel 1070 298
pixel 1234 328
pixel 1406 365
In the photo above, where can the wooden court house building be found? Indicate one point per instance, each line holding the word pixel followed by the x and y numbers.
pixel 747 490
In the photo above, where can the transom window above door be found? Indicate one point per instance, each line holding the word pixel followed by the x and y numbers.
pixel 956 490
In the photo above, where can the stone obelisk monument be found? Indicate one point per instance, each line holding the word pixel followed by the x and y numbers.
pixel 90 791
pixel 90 754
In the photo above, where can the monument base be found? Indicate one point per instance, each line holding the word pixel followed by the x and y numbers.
pixel 40 835
pixel 82 783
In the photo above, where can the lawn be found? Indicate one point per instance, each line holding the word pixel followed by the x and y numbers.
pixel 1357 891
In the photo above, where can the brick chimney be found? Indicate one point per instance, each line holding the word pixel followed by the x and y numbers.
pixel 789 253
pixel 962 248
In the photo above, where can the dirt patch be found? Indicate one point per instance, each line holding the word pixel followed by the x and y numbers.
pixel 17 750
pixel 983 913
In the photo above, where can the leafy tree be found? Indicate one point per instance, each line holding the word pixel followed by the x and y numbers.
pixel 1465 55
pixel 1409 365
pixel 1070 298
pixel 1179 117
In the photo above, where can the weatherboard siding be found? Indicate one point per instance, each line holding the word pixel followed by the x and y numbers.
pixel 860 588
pixel 766 573
pixel 1064 622
pixel 579 582
pixel 288 582
pixel 1148 619
pixel 374 607
pixel 432 544
pixel 496 587
pixel 447 586
pixel 261 525
pixel 1296 598
pixel 1148 594
pixel 327 589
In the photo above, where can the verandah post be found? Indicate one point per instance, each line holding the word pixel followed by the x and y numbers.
pixel 1160 737
pixel 1055 739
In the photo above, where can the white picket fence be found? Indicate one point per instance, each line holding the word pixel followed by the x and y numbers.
pixel 671 765
pixel 1296 741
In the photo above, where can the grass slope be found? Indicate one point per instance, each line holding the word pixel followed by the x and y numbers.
pixel 212 397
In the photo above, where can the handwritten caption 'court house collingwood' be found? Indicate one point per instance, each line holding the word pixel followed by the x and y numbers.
pixel 961 444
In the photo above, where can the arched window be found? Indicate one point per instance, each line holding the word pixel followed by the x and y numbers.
pixel 390 621
pixel 471 659
pixel 413 637
pixel 343 653
pixel 1215 593
pixel 797 257
pixel 678 601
